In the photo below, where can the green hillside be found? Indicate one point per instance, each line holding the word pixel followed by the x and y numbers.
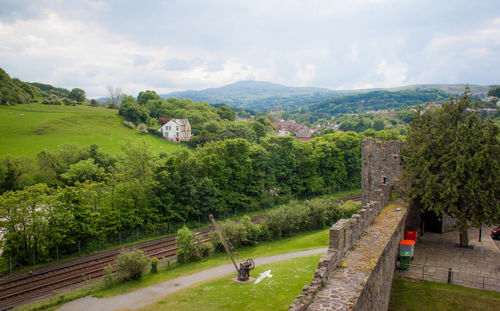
pixel 28 129
pixel 363 102
pixel 14 91
pixel 260 95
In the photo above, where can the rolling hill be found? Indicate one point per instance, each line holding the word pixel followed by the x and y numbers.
pixel 259 95
pixel 262 95
pixel 28 129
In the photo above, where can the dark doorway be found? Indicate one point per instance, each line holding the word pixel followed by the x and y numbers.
pixel 432 223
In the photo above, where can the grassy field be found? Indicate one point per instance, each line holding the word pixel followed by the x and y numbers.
pixel 28 129
pixel 274 293
pixel 431 296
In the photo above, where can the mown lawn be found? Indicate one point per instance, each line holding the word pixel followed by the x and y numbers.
pixel 302 241
pixel 28 129
pixel 431 296
pixel 274 293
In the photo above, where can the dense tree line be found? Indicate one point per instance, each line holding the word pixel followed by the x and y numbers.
pixel 358 103
pixel 14 91
pixel 76 194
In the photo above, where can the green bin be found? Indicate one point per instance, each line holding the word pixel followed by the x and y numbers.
pixel 404 260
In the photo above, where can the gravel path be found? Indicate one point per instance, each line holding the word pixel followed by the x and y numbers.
pixel 149 295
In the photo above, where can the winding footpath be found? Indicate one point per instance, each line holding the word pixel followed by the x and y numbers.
pixel 148 295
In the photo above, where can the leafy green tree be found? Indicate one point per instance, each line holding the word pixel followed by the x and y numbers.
pixel 82 171
pixel 230 130
pixel 132 111
pixel 212 126
pixel 378 124
pixel 259 129
pixel 135 183
pixel 146 96
pixel 15 173
pixel 32 223
pixel 452 165
pixel 495 91
pixel 77 95
pixel 405 115
pixel 54 163
pixel 226 112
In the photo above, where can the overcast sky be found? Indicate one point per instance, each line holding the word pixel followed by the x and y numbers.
pixel 178 45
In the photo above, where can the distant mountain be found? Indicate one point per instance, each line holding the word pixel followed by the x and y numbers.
pixel 259 95
pixel 262 95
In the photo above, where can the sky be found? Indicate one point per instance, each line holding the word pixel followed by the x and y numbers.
pixel 190 45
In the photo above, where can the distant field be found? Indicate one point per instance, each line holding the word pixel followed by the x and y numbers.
pixel 47 127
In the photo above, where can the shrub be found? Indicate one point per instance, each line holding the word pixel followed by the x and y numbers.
pixel 347 209
pixel 129 124
pixel 216 242
pixel 253 231
pixel 311 215
pixel 236 233
pixel 132 264
pixel 190 246
pixel 205 249
pixel 154 265
pixel 142 128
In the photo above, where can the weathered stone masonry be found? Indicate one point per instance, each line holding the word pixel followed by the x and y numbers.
pixel 357 274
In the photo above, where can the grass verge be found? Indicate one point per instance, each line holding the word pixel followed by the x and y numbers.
pixel 429 296
pixel 274 293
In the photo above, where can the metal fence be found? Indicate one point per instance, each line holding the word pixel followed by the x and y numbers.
pixel 451 276
pixel 91 245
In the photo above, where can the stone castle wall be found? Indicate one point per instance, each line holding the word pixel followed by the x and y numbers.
pixel 381 165
pixel 381 168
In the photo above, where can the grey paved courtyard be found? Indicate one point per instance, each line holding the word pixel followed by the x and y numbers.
pixel 476 267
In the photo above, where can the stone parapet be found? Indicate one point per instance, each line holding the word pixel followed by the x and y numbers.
pixel 381 169
pixel 362 281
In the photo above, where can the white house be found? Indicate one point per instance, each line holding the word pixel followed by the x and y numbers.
pixel 176 130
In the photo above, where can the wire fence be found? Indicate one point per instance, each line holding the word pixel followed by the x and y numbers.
pixel 91 245
pixel 451 276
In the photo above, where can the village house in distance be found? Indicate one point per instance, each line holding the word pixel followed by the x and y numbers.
pixel 176 130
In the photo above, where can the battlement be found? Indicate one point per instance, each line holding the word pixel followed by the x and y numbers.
pixel 381 169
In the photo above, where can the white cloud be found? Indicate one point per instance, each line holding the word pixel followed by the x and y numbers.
pixel 392 74
pixel 86 55
pixel 170 45
pixel 473 39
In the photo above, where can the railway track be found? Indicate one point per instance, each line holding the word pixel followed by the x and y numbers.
pixel 20 288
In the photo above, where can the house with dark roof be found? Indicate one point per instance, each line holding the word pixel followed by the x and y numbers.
pixel 176 130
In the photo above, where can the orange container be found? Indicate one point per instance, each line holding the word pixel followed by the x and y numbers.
pixel 411 235
pixel 406 245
